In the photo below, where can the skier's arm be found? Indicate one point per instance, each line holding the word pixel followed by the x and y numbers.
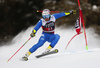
pixel 58 15
pixel 39 24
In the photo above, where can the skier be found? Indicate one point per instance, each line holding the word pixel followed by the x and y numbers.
pixel 48 25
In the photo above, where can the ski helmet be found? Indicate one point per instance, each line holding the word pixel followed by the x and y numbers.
pixel 46 13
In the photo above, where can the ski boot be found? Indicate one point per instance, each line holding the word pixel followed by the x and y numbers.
pixel 27 54
pixel 48 49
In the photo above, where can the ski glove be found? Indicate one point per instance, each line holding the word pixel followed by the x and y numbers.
pixel 73 12
pixel 33 33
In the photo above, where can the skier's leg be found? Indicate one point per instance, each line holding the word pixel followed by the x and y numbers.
pixel 39 44
pixel 54 39
pixel 35 47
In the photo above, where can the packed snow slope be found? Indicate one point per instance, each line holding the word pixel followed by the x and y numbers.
pixel 75 56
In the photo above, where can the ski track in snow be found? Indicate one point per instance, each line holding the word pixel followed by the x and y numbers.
pixel 75 56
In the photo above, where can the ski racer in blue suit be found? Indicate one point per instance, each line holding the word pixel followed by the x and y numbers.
pixel 48 26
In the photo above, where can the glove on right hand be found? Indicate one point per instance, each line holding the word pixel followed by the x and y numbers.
pixel 33 33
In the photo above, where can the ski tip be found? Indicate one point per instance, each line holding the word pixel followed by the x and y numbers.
pixel 56 50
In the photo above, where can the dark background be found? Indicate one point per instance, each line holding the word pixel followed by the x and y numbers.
pixel 18 15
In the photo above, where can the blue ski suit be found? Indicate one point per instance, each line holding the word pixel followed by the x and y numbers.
pixel 48 31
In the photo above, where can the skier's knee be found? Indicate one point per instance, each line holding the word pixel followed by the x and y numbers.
pixel 54 42
pixel 57 36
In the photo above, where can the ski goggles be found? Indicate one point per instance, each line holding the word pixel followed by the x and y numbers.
pixel 45 16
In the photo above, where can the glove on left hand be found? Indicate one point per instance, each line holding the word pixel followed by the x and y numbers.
pixel 73 12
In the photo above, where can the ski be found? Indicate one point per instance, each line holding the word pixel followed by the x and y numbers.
pixel 49 53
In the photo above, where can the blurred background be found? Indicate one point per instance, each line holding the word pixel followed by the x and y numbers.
pixel 18 15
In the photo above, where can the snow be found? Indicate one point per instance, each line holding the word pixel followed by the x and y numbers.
pixel 75 56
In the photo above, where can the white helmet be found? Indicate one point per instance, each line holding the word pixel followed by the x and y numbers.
pixel 46 13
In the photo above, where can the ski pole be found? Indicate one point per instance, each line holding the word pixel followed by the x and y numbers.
pixel 18 49
pixel 74 11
